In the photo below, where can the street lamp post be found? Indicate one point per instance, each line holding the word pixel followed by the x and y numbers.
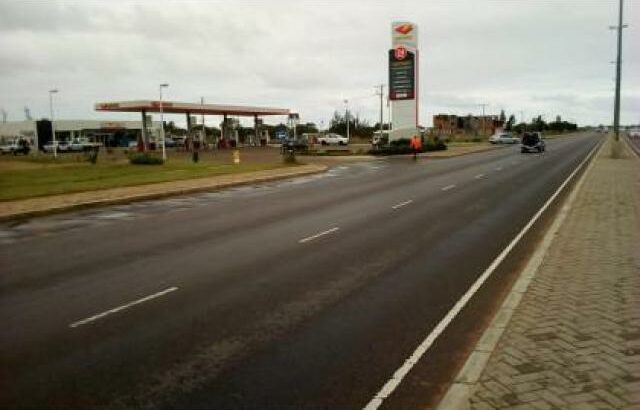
pixel 164 151
pixel 346 115
pixel 53 127
pixel 484 132
pixel 616 107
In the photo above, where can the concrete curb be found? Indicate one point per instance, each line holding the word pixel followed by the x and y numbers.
pixel 463 387
pixel 484 149
pixel 209 184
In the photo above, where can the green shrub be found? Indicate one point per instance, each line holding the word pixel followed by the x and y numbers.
pixel 400 147
pixel 434 146
pixel 144 158
pixel 403 142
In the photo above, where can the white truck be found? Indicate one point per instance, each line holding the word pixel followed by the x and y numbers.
pixel 333 139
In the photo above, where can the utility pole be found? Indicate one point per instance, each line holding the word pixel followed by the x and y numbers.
pixel 483 105
pixel 388 114
pixel 381 94
pixel 616 107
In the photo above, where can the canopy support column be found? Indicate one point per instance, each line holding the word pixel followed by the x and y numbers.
pixel 144 136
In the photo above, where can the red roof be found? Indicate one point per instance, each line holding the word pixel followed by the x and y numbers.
pixel 173 107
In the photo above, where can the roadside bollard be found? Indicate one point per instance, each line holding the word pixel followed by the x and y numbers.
pixel 289 156
pixel 236 157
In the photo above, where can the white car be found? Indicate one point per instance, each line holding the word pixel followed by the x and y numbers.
pixel 15 147
pixel 82 144
pixel 635 133
pixel 504 138
pixel 61 146
pixel 333 139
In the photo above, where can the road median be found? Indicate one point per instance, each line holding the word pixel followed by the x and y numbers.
pixel 24 208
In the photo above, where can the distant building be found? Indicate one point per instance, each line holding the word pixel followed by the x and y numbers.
pixel 450 124
pixel 109 133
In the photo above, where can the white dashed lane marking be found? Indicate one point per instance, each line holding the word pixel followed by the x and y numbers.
pixel 401 204
pixel 323 233
pixel 122 307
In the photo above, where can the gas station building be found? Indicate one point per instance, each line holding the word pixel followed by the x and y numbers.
pixel 228 112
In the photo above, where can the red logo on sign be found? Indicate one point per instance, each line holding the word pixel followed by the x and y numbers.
pixel 400 53
pixel 404 29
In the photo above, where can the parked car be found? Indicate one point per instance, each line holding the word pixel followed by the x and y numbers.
pixel 297 145
pixel 82 145
pixel 532 142
pixel 61 146
pixel 169 142
pixel 15 147
pixel 379 140
pixel 504 138
pixel 333 139
pixel 634 133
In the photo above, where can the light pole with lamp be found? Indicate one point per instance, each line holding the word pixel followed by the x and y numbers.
pixel 346 115
pixel 53 127
pixel 483 105
pixel 164 151
pixel 616 107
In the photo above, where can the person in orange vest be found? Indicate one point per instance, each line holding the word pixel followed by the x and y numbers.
pixel 416 146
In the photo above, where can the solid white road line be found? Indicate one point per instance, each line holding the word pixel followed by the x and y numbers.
pixel 403 370
pixel 498 168
pixel 122 307
pixel 448 187
pixel 310 238
pixel 401 204
pixel 479 176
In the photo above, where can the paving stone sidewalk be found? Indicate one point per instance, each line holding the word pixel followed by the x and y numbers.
pixel 573 342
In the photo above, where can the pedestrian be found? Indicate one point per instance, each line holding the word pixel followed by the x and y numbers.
pixel 416 146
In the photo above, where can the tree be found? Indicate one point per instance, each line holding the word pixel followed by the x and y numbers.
pixel 307 128
pixel 509 125
pixel 503 117
pixel 357 127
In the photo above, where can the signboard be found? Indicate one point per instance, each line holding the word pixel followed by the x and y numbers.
pixel 107 106
pixel 112 125
pixel 404 34
pixel 401 74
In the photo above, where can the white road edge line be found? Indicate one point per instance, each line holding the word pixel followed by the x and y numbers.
pixel 448 187
pixel 310 238
pixel 417 354
pixel 401 204
pixel 479 176
pixel 122 307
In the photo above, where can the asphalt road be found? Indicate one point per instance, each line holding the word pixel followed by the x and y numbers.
pixel 307 293
pixel 634 143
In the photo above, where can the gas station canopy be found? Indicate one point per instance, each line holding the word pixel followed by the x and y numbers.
pixel 172 107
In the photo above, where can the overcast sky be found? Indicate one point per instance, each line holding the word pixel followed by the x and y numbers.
pixel 532 56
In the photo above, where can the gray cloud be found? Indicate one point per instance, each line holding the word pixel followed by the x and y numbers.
pixel 538 57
